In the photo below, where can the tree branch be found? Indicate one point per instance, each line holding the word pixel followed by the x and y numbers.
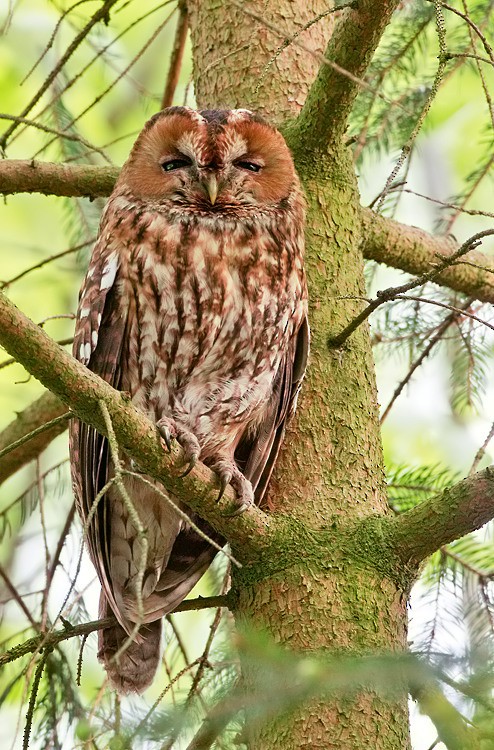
pixel 41 411
pixel 177 55
pixel 82 391
pixel 450 514
pixel 327 107
pixel 48 640
pixel 25 176
pixel 415 251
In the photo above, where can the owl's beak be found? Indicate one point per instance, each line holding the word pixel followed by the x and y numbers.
pixel 210 184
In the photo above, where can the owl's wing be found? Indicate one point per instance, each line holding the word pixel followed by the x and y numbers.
pixel 98 341
pixel 257 452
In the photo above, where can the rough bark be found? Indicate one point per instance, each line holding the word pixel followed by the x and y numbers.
pixel 231 70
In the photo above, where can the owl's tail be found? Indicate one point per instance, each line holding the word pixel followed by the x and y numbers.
pixel 134 669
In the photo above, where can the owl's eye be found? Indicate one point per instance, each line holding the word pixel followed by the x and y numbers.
pixel 172 164
pixel 251 166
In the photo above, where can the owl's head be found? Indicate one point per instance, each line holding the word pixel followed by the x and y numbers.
pixel 214 160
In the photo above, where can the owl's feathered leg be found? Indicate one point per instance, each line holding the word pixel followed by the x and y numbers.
pixel 171 430
pixel 134 669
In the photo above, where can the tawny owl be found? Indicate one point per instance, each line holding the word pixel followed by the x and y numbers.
pixel 194 303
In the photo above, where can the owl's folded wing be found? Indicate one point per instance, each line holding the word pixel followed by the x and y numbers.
pixel 98 341
pixel 257 452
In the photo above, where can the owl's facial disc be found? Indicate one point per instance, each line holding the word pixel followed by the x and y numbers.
pixel 217 162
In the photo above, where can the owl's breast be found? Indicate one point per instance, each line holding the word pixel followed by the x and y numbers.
pixel 208 321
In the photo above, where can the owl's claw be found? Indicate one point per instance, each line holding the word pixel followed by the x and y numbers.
pixel 164 431
pixel 224 482
pixel 169 431
pixel 192 463
pixel 229 473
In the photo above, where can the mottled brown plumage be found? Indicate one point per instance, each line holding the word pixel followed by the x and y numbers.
pixel 195 303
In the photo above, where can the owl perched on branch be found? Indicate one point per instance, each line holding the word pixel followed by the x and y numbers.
pixel 195 304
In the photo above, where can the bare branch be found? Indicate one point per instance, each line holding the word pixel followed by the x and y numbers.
pixel 24 176
pixel 452 513
pixel 177 55
pixel 43 410
pixel 83 391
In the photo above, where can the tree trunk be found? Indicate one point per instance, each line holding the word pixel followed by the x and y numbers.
pixel 312 590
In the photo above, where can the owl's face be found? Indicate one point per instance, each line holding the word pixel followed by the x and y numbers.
pixel 214 160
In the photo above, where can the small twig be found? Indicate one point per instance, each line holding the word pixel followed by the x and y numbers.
pixel 473 26
pixel 481 451
pixel 49 44
pixel 121 75
pixel 177 55
pixel 79 659
pixel 45 640
pixel 53 131
pixel 17 597
pixel 41 505
pixel 207 648
pixel 141 533
pixel 447 307
pixel 35 433
pixel 407 148
pixel 160 697
pixel 386 295
pixel 55 560
pixel 45 261
pixel 102 14
pixel 444 204
pixel 32 699
pixel 423 356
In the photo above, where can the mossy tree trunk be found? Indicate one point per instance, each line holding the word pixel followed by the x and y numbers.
pixel 310 588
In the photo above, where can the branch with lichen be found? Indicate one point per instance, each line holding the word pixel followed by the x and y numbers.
pixel 83 391
pixel 446 516
pixel 30 176
pixel 417 252
pixel 50 639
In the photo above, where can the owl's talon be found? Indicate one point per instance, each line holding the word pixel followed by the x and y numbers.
pixel 169 431
pixel 224 482
pixel 229 473
pixel 192 463
pixel 164 431
pixel 238 511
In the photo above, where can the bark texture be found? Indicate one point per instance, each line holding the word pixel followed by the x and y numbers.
pixel 238 62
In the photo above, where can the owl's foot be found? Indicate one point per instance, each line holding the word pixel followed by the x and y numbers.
pixel 171 430
pixel 229 473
